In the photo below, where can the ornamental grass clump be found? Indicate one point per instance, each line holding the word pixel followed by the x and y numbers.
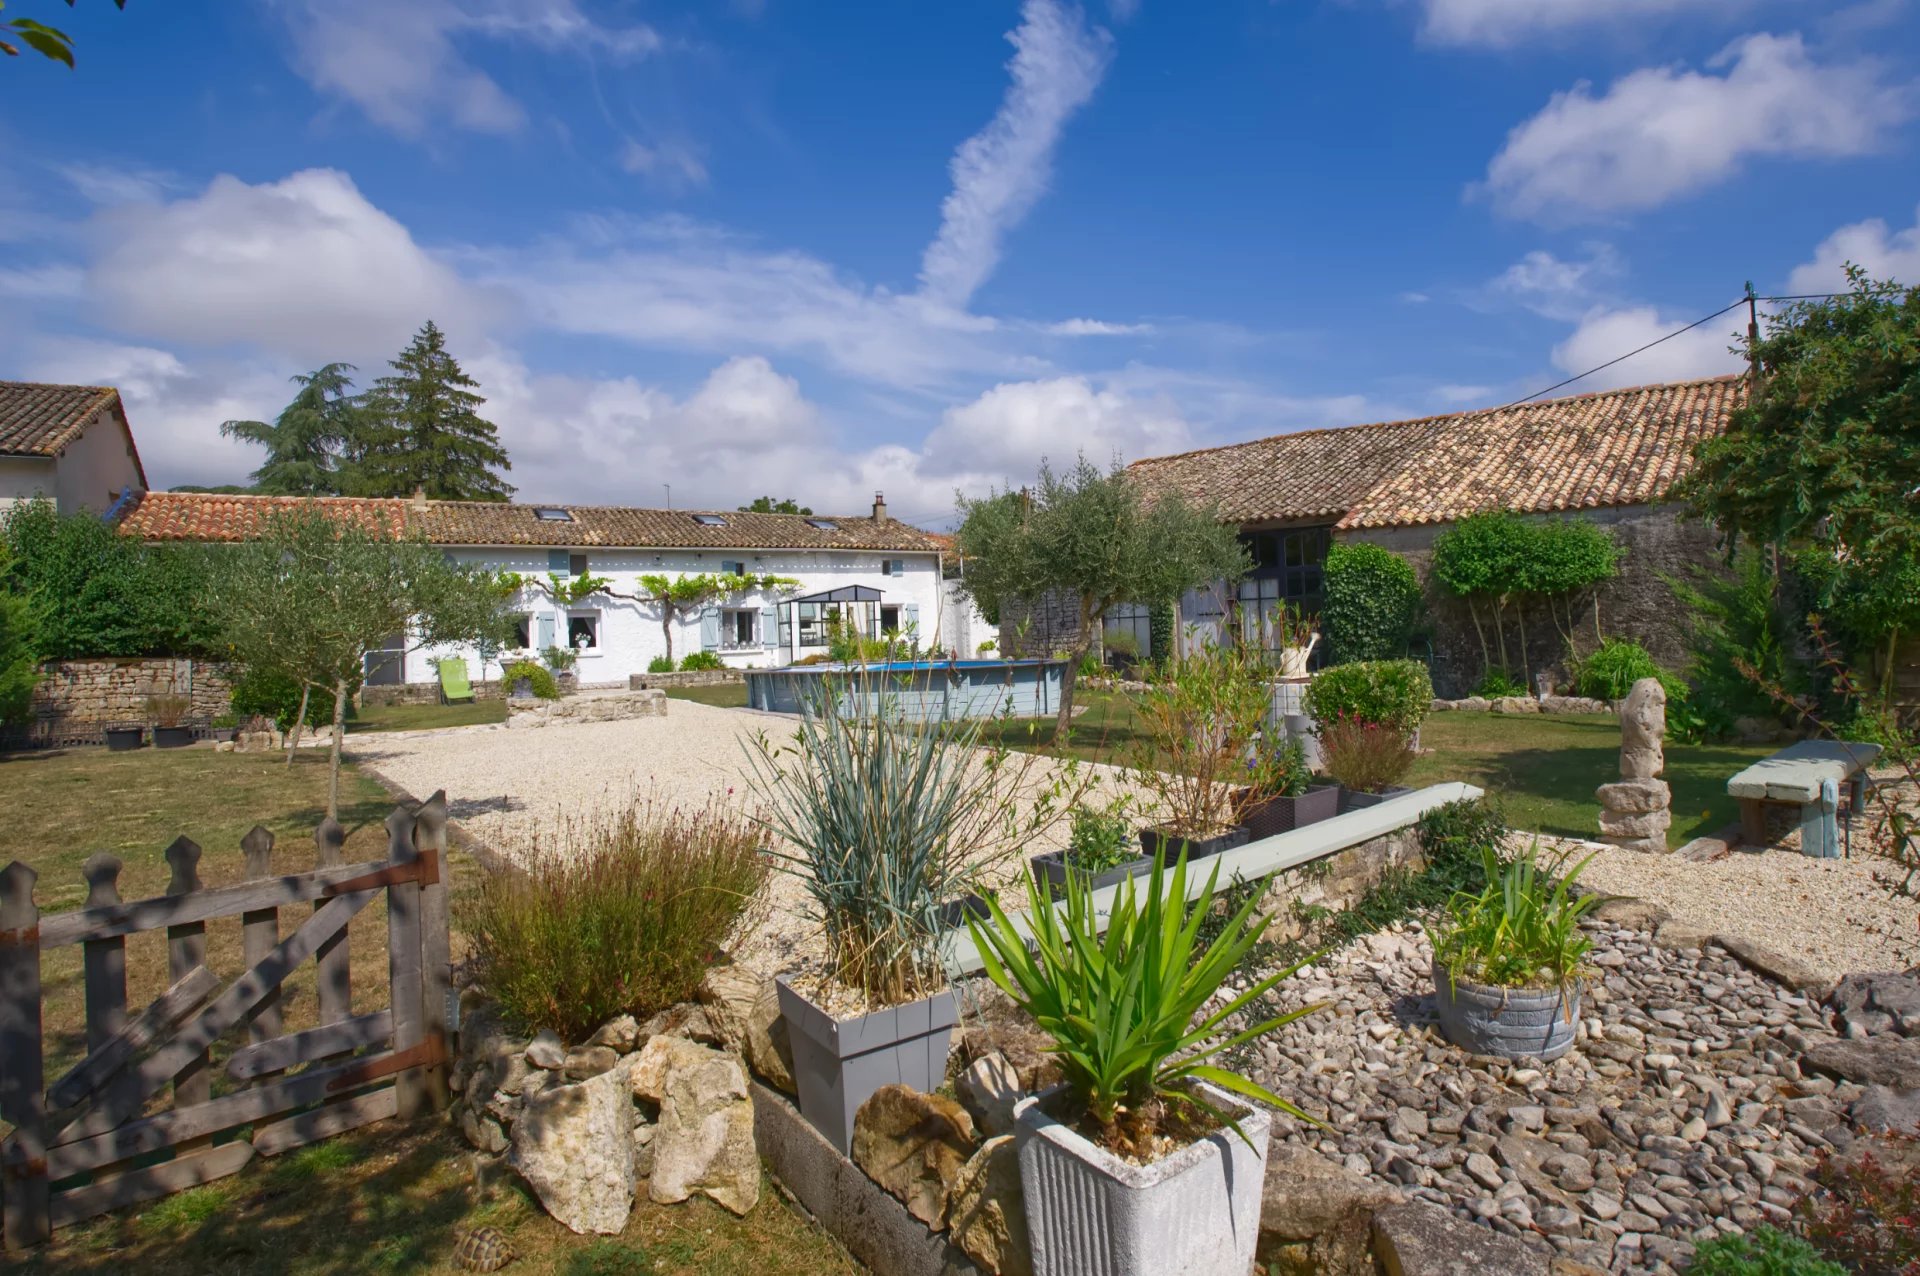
pixel 1521 931
pixel 1132 1014
pixel 615 914
pixel 889 821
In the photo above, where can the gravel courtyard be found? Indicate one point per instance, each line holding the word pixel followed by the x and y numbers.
pixel 510 788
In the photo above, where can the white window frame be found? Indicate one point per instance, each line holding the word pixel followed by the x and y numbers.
pixel 523 620
pixel 597 629
pixel 730 626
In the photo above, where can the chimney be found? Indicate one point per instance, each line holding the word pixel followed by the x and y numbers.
pixel 420 498
pixel 879 507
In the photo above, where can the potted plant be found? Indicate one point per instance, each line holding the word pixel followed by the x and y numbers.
pixel 1507 961
pixel 1199 721
pixel 1146 1153
pixel 224 726
pixel 165 712
pixel 890 825
pixel 1290 632
pixel 561 661
pixel 1367 759
pixel 1099 848
pixel 1283 796
pixel 121 739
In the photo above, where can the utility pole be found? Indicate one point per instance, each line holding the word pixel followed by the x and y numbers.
pixel 669 488
pixel 1753 340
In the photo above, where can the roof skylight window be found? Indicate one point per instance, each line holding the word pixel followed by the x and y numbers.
pixel 709 520
pixel 552 514
pixel 824 524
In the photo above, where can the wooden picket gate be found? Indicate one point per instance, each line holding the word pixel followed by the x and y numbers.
pixel 93 1141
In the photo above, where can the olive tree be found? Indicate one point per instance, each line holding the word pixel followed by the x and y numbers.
pixel 1095 536
pixel 314 595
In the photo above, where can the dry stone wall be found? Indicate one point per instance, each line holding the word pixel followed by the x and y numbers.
pixel 82 696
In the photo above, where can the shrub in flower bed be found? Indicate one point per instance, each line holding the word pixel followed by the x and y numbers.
pixel 1764 1251
pixel 1868 1220
pixel 1390 693
pixel 615 914
pixel 1365 757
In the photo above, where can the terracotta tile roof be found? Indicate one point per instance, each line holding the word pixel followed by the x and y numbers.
pixel 1614 447
pixel 203 516
pixel 206 516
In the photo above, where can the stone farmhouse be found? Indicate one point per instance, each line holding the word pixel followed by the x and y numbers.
pixel 69 444
pixel 1612 457
pixel 876 572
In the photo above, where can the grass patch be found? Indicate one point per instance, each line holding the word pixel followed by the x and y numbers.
pixel 721 695
pixel 398 1201
pixel 426 717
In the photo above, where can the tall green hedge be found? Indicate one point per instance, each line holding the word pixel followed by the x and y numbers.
pixel 1373 603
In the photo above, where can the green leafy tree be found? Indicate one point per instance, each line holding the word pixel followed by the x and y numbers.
pixel 1499 563
pixel 49 42
pixel 767 505
pixel 314 595
pixel 305 442
pixel 422 430
pixel 103 594
pixel 1094 536
pixel 1372 603
pixel 19 661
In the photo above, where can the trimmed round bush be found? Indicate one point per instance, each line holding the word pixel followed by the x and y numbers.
pixel 1373 603
pixel 539 678
pixel 1388 693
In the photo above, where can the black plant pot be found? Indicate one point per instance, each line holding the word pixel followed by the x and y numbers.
pixel 1050 870
pixel 1278 815
pixel 1155 842
pixel 955 912
pixel 1354 800
pixel 172 737
pixel 121 739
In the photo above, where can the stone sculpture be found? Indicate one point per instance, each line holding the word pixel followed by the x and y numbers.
pixel 1634 811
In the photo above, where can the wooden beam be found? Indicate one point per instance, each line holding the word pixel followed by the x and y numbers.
pixel 327 1040
pixel 101 1065
pixel 333 964
pixel 177 1175
pixel 23 1176
pixel 436 956
pixel 404 979
pixel 334 1118
pixel 186 953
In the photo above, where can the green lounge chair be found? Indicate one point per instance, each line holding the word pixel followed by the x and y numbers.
pixel 454 687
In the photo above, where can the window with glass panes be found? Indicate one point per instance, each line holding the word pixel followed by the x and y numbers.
pixel 1288 569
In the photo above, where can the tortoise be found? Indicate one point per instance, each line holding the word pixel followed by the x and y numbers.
pixel 483 1249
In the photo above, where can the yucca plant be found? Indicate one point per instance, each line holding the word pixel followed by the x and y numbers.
pixel 1522 930
pixel 1128 1012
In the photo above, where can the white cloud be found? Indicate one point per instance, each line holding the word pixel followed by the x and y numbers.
pixel 1502 23
pixel 1605 334
pixel 1884 253
pixel 53 281
pixel 1556 287
pixel 1001 171
pixel 118 184
pixel 1458 395
pixel 673 165
pixel 304 267
pixel 1004 433
pixel 1663 132
pixel 1097 328
pixel 401 63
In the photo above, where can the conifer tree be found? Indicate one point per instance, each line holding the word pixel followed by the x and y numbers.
pixel 421 428
pixel 305 442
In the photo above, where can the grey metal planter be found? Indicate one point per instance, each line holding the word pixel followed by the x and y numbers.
pixel 1050 870
pixel 1279 815
pixel 1354 800
pixel 1152 841
pixel 839 1063
pixel 1089 1213
pixel 1512 1023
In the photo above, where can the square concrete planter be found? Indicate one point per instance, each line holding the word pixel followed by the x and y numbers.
pixel 1089 1213
pixel 839 1063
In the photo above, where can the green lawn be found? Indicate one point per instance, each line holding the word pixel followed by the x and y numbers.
pixel 426 717
pixel 724 695
pixel 1544 767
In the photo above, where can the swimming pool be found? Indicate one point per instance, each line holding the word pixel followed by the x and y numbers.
pixel 924 691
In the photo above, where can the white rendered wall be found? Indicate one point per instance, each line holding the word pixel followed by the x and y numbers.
pixel 630 632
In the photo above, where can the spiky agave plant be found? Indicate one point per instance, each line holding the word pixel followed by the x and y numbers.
pixel 1127 1011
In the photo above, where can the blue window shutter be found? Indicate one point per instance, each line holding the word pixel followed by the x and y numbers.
pixel 710 628
pixel 769 627
pixel 557 562
pixel 546 630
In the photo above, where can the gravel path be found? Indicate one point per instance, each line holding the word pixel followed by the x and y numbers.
pixel 510 788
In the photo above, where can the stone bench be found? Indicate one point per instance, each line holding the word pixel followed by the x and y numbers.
pixel 1806 775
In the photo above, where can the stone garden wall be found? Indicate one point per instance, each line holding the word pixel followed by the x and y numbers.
pixel 75 696
pixel 688 678
pixel 425 693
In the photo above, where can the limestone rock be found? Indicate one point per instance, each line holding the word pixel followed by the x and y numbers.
pixel 643 1149
pixel 703 1141
pixel 1614 825
pixel 620 1033
pixel 1643 727
pixel 483 1132
pixel 1779 967
pixel 1635 797
pixel 684 1020
pixel 1317 1216
pixel 589 1061
pixel 1883 1108
pixel 1516 704
pixel 573 1145
pixel 1474 704
pixel 744 1008
pixel 1424 1240
pixel 1887 1061
pixel 658 1060
pixel 546 1050
pixel 989 1088
pixel 987 1214
pixel 913 1145
pixel 1629 911
pixel 997 1024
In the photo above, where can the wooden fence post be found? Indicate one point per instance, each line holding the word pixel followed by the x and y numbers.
pixel 22 1067
pixel 104 960
pixel 333 963
pixel 186 951
pixel 436 956
pixel 260 932
pixel 403 964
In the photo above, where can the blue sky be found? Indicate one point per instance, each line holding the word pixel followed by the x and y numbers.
pixel 815 250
